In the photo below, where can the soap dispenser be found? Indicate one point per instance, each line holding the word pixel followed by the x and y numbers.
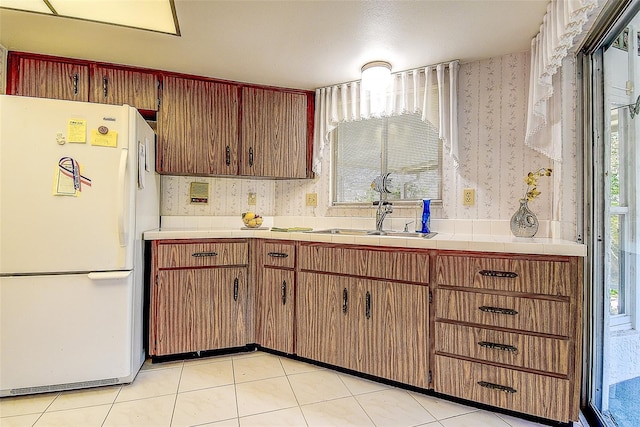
pixel 426 216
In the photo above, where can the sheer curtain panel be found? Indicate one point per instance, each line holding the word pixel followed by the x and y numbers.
pixel 431 91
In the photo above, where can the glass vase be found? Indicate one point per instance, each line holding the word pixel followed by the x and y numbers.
pixel 524 223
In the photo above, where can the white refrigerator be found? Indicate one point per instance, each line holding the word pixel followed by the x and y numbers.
pixel 77 189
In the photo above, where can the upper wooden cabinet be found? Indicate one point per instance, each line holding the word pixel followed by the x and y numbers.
pixel 274 133
pixel 110 85
pixel 43 78
pixel 198 127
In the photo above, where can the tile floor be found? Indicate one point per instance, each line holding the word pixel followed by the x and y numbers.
pixel 247 389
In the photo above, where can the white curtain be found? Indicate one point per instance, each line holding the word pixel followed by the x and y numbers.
pixel 431 91
pixel 563 21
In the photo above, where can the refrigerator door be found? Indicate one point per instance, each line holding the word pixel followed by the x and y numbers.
pixel 63 332
pixel 42 231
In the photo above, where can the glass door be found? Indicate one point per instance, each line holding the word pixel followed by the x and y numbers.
pixel 614 392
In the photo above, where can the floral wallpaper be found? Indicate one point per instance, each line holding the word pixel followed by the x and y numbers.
pixel 492 103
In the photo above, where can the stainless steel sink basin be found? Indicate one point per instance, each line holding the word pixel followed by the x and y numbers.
pixel 357 232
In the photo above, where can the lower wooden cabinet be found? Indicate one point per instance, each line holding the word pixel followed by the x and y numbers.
pixel 374 327
pixel 198 296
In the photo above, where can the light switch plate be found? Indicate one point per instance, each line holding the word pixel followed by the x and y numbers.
pixel 252 199
pixel 312 199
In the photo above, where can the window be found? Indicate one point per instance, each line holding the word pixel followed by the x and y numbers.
pixel 404 146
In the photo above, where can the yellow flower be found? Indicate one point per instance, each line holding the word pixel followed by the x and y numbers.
pixel 532 180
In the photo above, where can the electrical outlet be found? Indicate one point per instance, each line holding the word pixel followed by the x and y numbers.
pixel 468 197
pixel 251 200
pixel 312 199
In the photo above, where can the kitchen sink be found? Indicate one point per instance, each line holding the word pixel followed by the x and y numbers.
pixel 358 232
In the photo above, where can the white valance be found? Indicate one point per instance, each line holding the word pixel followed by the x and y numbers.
pixel 431 91
pixel 563 21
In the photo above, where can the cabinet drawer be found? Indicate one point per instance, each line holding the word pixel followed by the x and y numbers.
pixel 279 255
pixel 534 394
pixel 526 314
pixel 208 254
pixel 518 350
pixel 506 274
pixel 384 264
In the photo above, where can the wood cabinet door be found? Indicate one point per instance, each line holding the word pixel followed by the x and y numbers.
pixel 199 309
pixel 198 127
pixel 322 306
pixel 118 86
pixel 274 133
pixel 397 330
pixel 275 308
pixel 52 79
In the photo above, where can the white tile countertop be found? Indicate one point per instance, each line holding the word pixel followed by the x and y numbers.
pixel 445 240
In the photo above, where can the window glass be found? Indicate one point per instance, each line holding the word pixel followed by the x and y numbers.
pixel 404 146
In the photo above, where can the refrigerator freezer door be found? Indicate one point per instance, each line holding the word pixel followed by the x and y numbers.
pixel 41 232
pixel 66 331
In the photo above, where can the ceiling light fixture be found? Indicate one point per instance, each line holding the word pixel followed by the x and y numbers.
pixel 152 15
pixel 376 75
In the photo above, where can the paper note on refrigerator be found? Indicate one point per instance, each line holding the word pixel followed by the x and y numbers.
pixel 68 179
pixel 77 131
pixel 108 139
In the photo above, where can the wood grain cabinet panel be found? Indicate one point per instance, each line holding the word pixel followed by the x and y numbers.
pixel 279 254
pixel 274 133
pixel 198 127
pixel 275 302
pixel 57 79
pixel 204 254
pixel 519 350
pixel 534 394
pixel 527 314
pixel 410 266
pixel 110 85
pixel 199 309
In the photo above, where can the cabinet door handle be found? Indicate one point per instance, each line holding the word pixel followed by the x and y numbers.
pixel 75 79
pixel 367 305
pixel 345 300
pixel 204 254
pixel 105 86
pixel 284 292
pixel 250 156
pixel 498 387
pixel 236 284
pixel 498 310
pixel 493 345
pixel 228 155
pixel 496 273
pixel 277 255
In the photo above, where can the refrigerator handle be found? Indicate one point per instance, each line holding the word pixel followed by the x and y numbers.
pixel 121 204
pixel 109 275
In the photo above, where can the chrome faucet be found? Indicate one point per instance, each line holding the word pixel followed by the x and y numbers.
pixel 384 209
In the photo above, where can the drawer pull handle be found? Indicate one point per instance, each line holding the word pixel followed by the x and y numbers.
pixel 367 305
pixel 499 387
pixel 495 273
pixel 345 300
pixel 284 292
pixel 493 345
pixel 236 284
pixel 497 310
pixel 227 158
pixel 277 255
pixel 204 254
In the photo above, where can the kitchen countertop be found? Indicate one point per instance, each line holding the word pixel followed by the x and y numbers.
pixel 442 241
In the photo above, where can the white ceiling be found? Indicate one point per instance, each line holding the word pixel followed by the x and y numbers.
pixel 296 43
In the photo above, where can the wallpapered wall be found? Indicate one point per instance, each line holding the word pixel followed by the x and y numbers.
pixel 493 160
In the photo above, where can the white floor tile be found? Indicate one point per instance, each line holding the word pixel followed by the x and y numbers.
pixel 206 375
pixel 82 398
pixel 291 417
pixel 393 408
pixel 257 368
pixel 23 405
pixel 292 367
pixel 317 386
pixel 475 419
pixel 358 385
pixel 92 416
pixel 19 420
pixel 153 383
pixel 205 406
pixel 154 411
pixel 440 408
pixel 256 397
pixel 345 412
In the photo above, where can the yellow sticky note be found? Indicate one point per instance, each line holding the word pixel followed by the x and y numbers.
pixel 109 139
pixel 77 131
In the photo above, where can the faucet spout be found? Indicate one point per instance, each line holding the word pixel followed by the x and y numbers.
pixel 384 208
